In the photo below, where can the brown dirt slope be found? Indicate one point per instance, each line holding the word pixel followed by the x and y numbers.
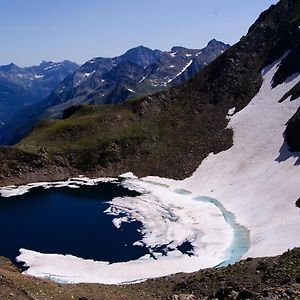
pixel 262 278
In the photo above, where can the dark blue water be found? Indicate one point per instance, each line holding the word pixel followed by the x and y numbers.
pixel 68 221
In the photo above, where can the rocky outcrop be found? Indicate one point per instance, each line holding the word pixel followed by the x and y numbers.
pixel 292 132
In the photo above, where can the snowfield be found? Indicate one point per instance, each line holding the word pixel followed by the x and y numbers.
pixel 258 178
pixel 254 184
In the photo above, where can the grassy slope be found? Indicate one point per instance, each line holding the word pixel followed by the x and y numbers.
pixel 101 136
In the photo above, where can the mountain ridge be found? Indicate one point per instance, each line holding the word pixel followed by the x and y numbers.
pixel 102 81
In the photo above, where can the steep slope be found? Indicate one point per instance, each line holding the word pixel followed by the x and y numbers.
pixel 202 58
pixel 13 97
pixel 78 87
pixel 179 65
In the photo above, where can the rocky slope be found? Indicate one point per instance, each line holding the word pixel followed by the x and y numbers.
pixel 140 71
pixel 260 279
pixel 21 87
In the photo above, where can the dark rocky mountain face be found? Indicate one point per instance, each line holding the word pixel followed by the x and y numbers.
pixel 292 133
pixel 13 97
pixel 21 87
pixel 160 71
pixel 141 56
pixel 139 72
pixel 180 64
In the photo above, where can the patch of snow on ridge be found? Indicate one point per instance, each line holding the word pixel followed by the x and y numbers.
pixel 168 219
pixel 143 78
pixel 182 71
pixel 38 76
pixel 89 74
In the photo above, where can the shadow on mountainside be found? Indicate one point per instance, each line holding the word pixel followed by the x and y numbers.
pixel 285 154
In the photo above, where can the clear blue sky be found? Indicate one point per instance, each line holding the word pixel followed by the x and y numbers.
pixel 36 30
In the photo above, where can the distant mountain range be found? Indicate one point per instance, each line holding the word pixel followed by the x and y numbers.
pixel 139 72
pixel 21 87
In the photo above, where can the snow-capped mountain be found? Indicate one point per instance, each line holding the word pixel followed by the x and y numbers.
pixel 139 72
pixel 101 80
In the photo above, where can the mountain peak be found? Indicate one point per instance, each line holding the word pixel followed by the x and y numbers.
pixel 139 48
pixel 177 48
pixel 141 56
pixel 214 43
pixel 9 67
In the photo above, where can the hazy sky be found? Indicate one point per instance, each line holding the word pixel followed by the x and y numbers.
pixel 36 30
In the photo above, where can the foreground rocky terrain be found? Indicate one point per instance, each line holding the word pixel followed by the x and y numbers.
pixel 259 278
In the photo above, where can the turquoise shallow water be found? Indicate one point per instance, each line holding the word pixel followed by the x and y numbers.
pixel 241 235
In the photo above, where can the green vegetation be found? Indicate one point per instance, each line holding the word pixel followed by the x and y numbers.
pixel 296 14
pixel 101 135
